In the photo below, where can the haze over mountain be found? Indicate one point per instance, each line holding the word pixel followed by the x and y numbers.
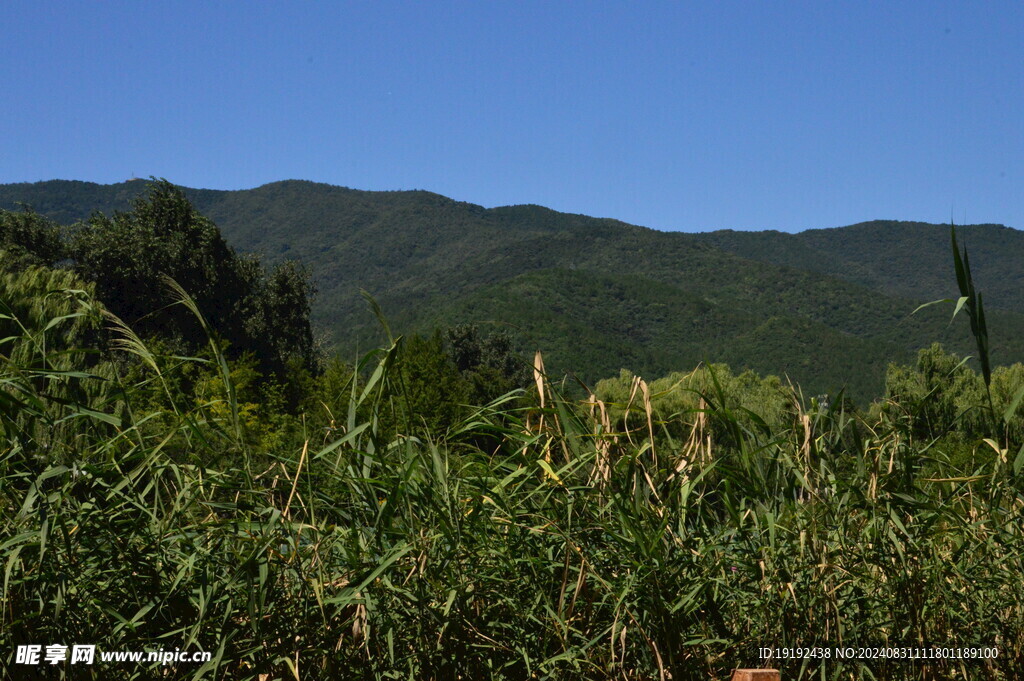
pixel 826 307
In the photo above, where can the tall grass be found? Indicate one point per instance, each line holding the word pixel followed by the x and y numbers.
pixel 535 539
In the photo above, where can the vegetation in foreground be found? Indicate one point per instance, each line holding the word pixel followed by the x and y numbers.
pixel 367 522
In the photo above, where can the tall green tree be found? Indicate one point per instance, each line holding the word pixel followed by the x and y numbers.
pixel 29 239
pixel 491 365
pixel 941 391
pixel 428 391
pixel 129 256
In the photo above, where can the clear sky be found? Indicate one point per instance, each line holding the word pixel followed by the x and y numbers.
pixel 675 115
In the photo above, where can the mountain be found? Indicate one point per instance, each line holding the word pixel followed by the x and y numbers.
pixel 908 259
pixel 829 308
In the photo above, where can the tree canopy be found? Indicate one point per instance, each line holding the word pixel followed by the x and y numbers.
pixel 129 256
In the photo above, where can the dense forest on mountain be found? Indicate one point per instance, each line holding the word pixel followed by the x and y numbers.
pixel 908 259
pixel 827 308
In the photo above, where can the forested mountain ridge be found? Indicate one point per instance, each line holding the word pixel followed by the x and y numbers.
pixel 826 307
pixel 909 259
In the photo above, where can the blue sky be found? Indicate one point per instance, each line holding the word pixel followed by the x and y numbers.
pixel 674 115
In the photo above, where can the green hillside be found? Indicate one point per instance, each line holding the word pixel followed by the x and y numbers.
pixel 909 259
pixel 599 323
pixel 826 307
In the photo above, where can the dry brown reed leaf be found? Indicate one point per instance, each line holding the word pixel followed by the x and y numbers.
pixel 648 410
pixel 634 386
pixel 538 375
pixel 538 378
pixel 805 448
pixel 295 483
pixel 698 445
pixel 601 474
pixel 359 624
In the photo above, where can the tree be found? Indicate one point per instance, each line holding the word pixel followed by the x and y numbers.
pixel 429 391
pixel 29 239
pixel 280 316
pixel 942 392
pixel 129 256
pixel 490 365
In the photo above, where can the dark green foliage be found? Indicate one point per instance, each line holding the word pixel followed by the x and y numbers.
pixel 29 239
pixel 130 256
pixel 599 323
pixel 437 380
pixel 905 259
pixel 429 392
pixel 70 201
pixel 491 365
pixel 279 320
pixel 975 307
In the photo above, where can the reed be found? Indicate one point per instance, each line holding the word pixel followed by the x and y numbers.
pixel 571 545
